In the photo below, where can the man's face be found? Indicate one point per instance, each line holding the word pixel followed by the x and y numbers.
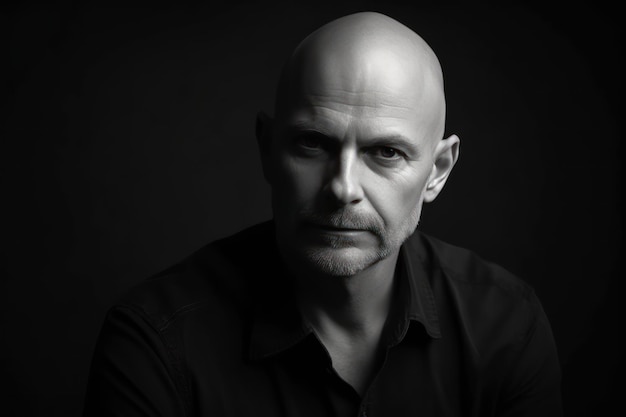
pixel 350 162
pixel 351 152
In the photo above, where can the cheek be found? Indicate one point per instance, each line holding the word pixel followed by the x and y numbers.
pixel 296 181
pixel 396 198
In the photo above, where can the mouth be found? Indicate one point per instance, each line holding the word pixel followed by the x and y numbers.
pixel 328 228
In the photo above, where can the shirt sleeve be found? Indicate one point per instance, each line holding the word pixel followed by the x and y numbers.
pixel 534 383
pixel 131 372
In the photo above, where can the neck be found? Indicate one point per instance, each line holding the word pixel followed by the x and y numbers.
pixel 357 304
pixel 348 315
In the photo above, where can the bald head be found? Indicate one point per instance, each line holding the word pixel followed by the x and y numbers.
pixel 356 144
pixel 366 59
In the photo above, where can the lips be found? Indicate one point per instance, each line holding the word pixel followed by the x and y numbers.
pixel 340 222
pixel 328 228
pixel 332 227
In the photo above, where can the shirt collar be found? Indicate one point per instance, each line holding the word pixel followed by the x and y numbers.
pixel 277 325
pixel 276 321
pixel 275 329
pixel 415 269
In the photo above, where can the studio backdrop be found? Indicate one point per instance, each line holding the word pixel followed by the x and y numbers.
pixel 129 143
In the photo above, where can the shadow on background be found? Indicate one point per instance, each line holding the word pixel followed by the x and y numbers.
pixel 129 143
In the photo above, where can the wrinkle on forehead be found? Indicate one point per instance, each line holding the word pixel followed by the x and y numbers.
pixel 365 101
pixel 365 59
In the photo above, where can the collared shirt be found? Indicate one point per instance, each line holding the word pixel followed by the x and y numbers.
pixel 220 334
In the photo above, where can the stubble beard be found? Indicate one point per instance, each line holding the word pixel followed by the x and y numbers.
pixel 341 259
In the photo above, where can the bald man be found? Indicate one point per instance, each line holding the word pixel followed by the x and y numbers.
pixel 338 306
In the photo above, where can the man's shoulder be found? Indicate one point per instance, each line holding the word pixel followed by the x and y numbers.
pixel 465 268
pixel 489 300
pixel 215 276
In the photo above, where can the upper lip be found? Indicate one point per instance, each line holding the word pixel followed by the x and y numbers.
pixel 333 227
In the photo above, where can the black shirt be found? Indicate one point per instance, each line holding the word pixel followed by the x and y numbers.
pixel 220 335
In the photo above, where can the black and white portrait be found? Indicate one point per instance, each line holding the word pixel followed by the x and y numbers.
pixel 325 209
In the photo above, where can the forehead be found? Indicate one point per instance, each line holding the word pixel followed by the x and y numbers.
pixel 372 91
pixel 358 78
pixel 341 105
pixel 339 114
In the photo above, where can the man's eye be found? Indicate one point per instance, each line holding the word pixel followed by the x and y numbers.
pixel 309 142
pixel 386 152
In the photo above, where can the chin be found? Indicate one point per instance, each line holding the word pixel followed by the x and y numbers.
pixel 343 262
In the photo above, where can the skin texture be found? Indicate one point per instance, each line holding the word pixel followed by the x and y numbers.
pixel 348 90
pixel 355 149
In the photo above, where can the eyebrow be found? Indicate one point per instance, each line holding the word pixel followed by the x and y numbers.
pixel 392 141
pixel 395 140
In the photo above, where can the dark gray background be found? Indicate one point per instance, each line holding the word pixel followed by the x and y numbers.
pixel 128 142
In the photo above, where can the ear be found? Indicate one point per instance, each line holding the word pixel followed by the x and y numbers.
pixel 264 141
pixel 446 154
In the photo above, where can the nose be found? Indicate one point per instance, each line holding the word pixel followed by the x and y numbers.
pixel 344 184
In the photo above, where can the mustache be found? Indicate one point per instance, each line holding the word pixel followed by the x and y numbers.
pixel 344 219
